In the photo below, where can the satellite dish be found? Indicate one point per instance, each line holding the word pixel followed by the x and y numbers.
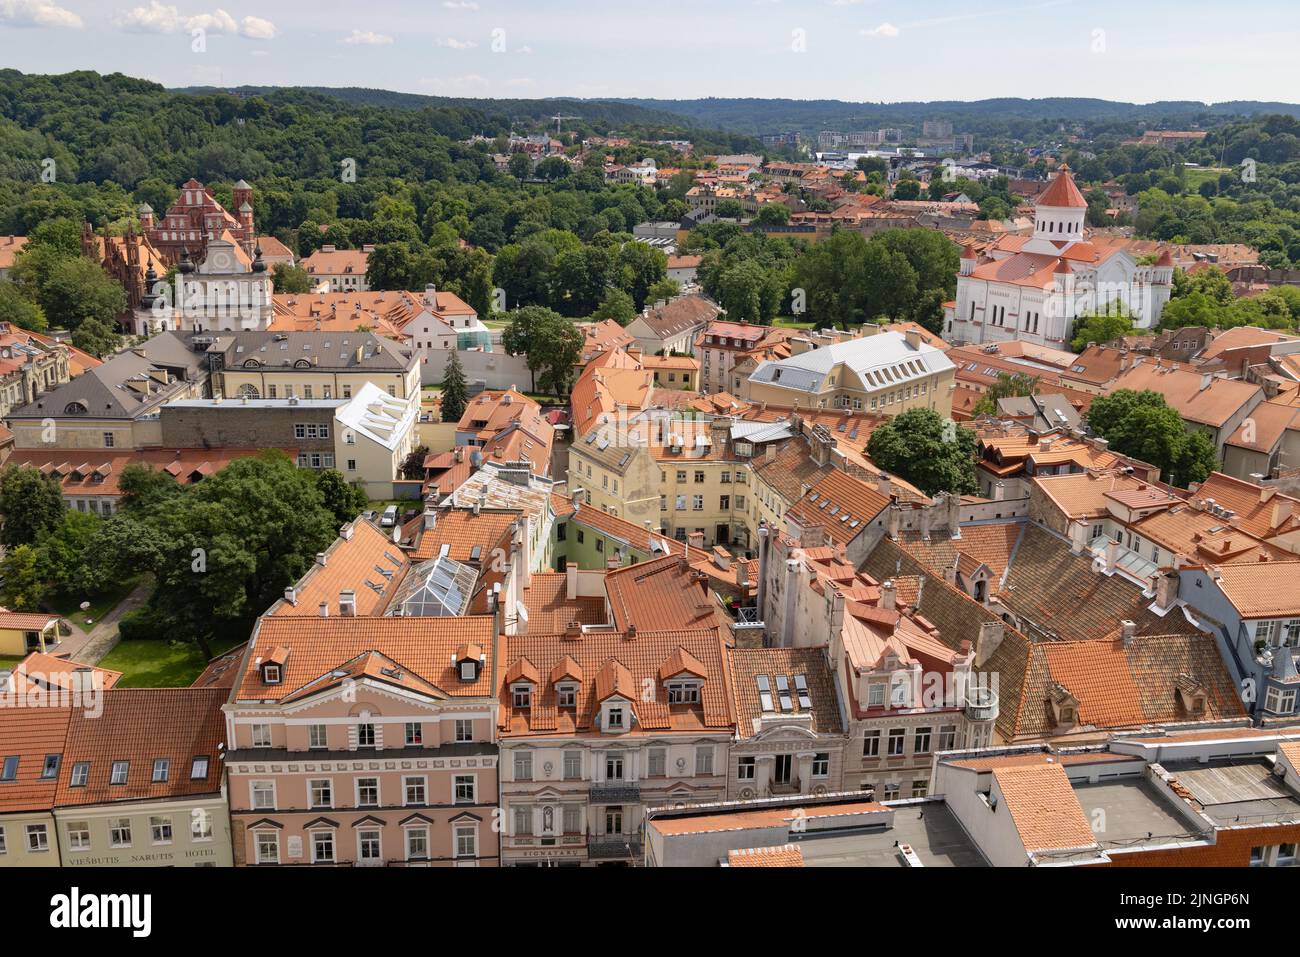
pixel 84 605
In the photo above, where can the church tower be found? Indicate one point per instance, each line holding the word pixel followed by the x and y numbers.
pixel 1058 216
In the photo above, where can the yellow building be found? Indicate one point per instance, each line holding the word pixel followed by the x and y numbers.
pixel 25 632
pixel 310 365
pixel 882 372
pixel 673 372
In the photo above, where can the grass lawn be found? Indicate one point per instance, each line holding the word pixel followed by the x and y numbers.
pixel 100 605
pixel 1195 177
pixel 789 322
pixel 158 664
pixel 10 662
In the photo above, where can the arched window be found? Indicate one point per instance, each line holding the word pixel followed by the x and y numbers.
pixel 247 391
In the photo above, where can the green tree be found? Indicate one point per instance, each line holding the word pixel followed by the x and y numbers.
pixel 616 305
pixel 664 290
pixel 17 310
pixel 344 500
pixel 143 486
pixel 30 502
pixel 455 390
pixel 1006 386
pixel 96 337
pixel 65 550
pixel 290 279
pixel 931 452
pixel 773 214
pixel 550 344
pixel 24 583
pixel 70 289
pixel 1141 425
pixel 1099 329
pixel 520 166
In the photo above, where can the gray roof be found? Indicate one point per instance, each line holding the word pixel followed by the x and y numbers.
pixel 126 384
pixel 1048 411
pixel 879 362
pixel 323 350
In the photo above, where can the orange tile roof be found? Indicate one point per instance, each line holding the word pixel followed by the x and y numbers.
pixel 1261 510
pixel 841 504
pixel 463 531
pixel 787 855
pixel 763 818
pixel 422 646
pixel 97 471
pixel 1043 807
pixel 365 558
pixel 1263 589
pixel 614 662
pixel 1212 405
pixel 551 612
pixel 1084 494
pixel 46 671
pixel 141 725
pixel 30 734
pixel 748 663
pixel 10 246
pixel 664 594
pixel 25 620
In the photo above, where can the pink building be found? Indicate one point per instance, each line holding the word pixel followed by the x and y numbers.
pixel 364 741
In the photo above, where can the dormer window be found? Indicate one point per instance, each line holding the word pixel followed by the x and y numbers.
pixel 271 674
pixel 683 692
pixel 521 696
pixel 566 696
pixel 469 671
pixel 615 718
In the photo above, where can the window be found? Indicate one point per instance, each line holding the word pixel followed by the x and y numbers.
pixel 745 769
pixel 699 478
pixel 322 792
pixel 615 719
pixel 118 773
pixel 613 820
pixel 566 696
pixel 876 695
pixel 50 768
pixel 724 502
pixel 821 765
pixel 897 742
pixel 119 832
pixel 1279 701
pixel 4 844
pixel 572 819
pixel 322 847
pixel 417 843
pixel 613 767
pixel 316 736
pixel 891 792
pixel 262 795
pixel 267 844
pixel 921 742
pixel 368 847
pixel 1257 856
pixel 918 789
pixel 464 729
pixel 160 830
pixel 523 819
pixel 80 774
pixel 78 835
pixel 697 503
pixel 657 762
pixel 261 735
pixel 683 692
pixel 466 840
pixel 365 735
pixel 38 838
pixel 523 765
pixel 522 696
pixel 199 768
pixel 367 792
pixel 572 765
pixel 414 734
pixel 464 788
pixel 414 790
pixel 1285 855
pixel 871 744
pixel 1292 637
pixel 704 760
pixel 947 737
pixel 108 440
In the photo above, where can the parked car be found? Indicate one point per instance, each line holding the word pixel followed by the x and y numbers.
pixel 389 518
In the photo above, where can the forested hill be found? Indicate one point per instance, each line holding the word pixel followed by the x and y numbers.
pixel 1006 114
pixel 605 113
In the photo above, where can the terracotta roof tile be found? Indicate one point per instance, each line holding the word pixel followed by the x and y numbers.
pixel 1043 807
pixel 788 855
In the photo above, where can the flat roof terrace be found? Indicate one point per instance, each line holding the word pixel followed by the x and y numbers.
pixel 930 828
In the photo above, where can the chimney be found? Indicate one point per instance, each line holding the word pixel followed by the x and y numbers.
pixel 769 452
pixel 1206 379
pixel 1112 556
pixel 347 603
pixel 695 540
pixel 460 454
pixel 884 485
pixel 321 559
pixel 893 521
pixel 990 637
pixel 1045 444
pixel 291 595
pixel 1127 632
pixel 1167 590
pixel 888 595
pixel 570 581
pixel 324 609
pixel 430 519
pixel 1281 512
pixel 999 491
pixel 721 557
pixel 1078 537
pixel 913 337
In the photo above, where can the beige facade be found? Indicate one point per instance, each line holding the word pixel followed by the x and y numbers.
pixel 27 839
pixel 191 832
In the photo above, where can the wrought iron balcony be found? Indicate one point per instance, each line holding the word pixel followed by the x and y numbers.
pixel 617 793
pixel 981 704
pixel 607 849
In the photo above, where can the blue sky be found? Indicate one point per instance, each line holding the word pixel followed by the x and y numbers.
pixel 835 49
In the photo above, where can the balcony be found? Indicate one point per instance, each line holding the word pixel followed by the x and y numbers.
pixel 778 788
pixel 615 793
pixel 981 705
pixel 607 849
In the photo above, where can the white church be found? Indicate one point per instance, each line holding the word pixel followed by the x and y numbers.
pixel 1034 287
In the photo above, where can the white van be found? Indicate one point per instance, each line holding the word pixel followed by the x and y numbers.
pixel 389 518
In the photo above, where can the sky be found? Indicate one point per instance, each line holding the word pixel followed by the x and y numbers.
pixel 860 50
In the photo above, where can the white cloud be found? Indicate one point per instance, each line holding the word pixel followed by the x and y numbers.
pixel 451 43
pixel 524 49
pixel 460 4
pixel 884 31
pixel 37 13
pixel 164 18
pixel 368 38
pixel 521 83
